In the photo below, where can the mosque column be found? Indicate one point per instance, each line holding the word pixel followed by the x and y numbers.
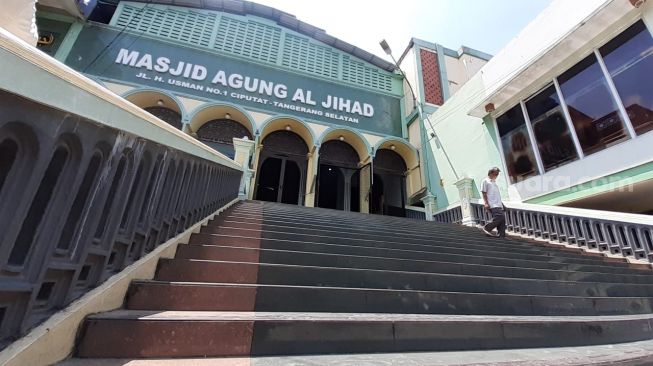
pixel 311 177
pixel 244 149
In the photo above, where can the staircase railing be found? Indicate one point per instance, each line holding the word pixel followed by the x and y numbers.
pixel 89 183
pixel 416 213
pixel 452 215
pixel 624 234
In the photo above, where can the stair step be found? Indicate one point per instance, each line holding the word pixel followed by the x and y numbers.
pixel 186 270
pixel 378 249
pixel 193 296
pixel 321 259
pixel 128 333
pixel 476 242
pixel 274 279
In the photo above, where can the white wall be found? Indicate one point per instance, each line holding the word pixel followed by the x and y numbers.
pixel 409 66
pixel 460 70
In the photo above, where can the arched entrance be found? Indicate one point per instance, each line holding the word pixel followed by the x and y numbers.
pixel 166 114
pixel 338 177
pixel 389 184
pixel 282 168
pixel 219 134
pixel 160 105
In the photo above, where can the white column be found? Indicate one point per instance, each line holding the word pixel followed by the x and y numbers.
pixel 244 149
pixel 466 193
pixel 430 206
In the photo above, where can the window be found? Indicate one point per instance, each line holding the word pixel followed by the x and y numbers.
pixel 629 60
pixel 550 128
pixel 592 107
pixel 517 148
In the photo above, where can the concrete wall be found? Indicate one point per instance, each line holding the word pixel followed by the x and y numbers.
pixel 461 69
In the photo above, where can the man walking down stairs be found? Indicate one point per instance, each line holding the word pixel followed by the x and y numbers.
pixel 266 279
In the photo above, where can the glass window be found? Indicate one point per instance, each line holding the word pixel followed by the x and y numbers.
pixel 629 61
pixel 592 107
pixel 517 148
pixel 550 128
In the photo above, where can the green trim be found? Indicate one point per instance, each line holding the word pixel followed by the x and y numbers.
pixel 55 16
pixel 402 113
pixel 618 180
pixel 444 80
pixel 412 117
pixel 68 41
pixel 476 53
pixel 420 75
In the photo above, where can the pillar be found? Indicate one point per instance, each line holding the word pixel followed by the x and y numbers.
pixel 466 193
pixel 365 188
pixel 430 206
pixel 244 149
pixel 311 178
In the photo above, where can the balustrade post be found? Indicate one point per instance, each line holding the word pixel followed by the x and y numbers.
pixel 430 206
pixel 466 193
pixel 244 149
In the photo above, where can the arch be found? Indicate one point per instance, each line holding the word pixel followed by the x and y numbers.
pixel 295 125
pixel 402 147
pixel 390 161
pixel 217 111
pixel 158 102
pixel 339 153
pixel 148 97
pixel 352 137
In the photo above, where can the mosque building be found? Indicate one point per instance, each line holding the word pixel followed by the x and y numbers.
pixel 331 124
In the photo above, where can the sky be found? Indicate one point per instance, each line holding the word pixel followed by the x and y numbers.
pixel 485 25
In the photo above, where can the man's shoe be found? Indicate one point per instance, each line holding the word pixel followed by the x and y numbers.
pixel 489 233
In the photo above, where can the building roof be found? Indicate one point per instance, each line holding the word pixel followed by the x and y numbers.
pixel 463 50
pixel 242 7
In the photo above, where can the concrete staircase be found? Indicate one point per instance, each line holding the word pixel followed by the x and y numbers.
pixel 272 279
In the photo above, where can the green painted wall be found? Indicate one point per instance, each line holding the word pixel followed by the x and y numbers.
pixel 469 142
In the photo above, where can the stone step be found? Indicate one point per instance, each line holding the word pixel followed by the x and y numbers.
pixel 204 239
pixel 630 353
pixel 320 259
pixel 475 242
pixel 331 245
pixel 185 270
pixel 129 333
pixel 194 296
pixel 454 232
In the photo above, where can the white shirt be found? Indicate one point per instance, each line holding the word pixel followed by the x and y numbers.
pixel 491 188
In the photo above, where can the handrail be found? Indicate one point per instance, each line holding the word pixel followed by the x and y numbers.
pixel 453 214
pixel 628 235
pixel 571 211
pixel 90 183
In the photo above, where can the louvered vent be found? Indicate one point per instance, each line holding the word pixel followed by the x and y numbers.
pixel 357 72
pixel 250 39
pixel 301 54
pixel 181 25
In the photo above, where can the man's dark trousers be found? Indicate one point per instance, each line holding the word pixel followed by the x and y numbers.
pixel 498 221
